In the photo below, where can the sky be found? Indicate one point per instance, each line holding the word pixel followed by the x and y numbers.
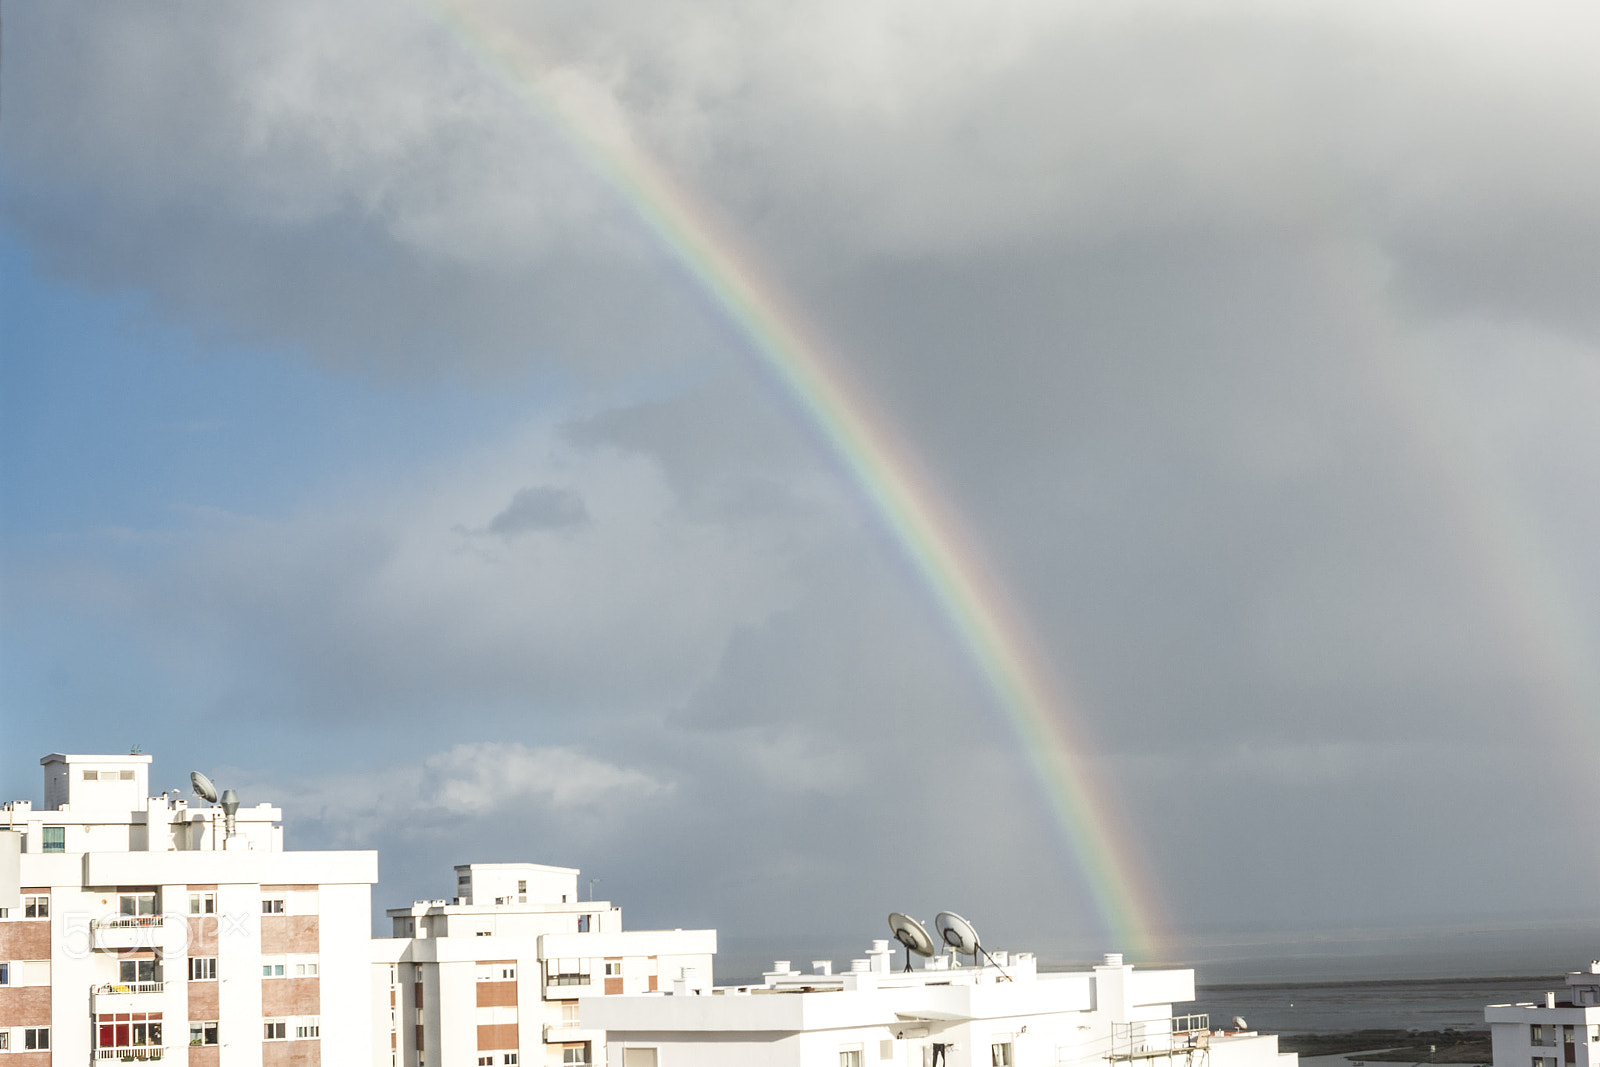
pixel 365 444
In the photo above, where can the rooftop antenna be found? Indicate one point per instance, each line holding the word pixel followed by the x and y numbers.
pixel 961 936
pixel 203 787
pixel 592 881
pixel 912 934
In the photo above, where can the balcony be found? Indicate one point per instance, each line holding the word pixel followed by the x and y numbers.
pixel 568 1030
pixel 127 996
pixel 128 931
pixel 133 1052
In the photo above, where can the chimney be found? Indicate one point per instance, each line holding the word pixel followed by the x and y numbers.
pixel 882 956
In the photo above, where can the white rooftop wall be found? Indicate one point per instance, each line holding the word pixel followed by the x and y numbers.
pixel 515 883
pixel 95 782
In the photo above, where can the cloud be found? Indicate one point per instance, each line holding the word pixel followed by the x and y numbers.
pixel 1257 346
pixel 483 779
pixel 542 507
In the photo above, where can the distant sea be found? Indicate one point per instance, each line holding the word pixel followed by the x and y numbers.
pixel 1339 1007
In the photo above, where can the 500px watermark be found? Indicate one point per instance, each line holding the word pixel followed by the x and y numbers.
pixel 81 933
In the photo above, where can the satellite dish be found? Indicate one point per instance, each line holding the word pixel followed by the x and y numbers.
pixel 911 934
pixel 1239 1023
pixel 957 933
pixel 203 787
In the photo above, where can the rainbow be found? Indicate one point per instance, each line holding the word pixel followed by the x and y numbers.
pixel 929 534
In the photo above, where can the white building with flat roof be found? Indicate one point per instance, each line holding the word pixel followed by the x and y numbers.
pixel 1004 1013
pixel 135 927
pixel 1564 1031
pixel 494 975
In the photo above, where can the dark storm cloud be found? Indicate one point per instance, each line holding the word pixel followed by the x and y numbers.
pixel 543 507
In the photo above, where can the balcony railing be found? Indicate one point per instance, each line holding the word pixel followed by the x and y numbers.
pixel 128 922
pixel 134 1052
pixel 111 988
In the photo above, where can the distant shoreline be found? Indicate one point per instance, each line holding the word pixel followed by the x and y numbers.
pixel 1519 979
pixel 1396 1046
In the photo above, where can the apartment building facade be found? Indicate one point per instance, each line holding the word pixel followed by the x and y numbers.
pixel 138 928
pixel 1564 1031
pixel 494 975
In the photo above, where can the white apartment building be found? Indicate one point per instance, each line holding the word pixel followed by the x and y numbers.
pixel 494 976
pixel 135 927
pixel 1564 1031
pixel 1001 1014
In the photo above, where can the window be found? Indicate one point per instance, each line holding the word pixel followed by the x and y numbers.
pixel 886 1049
pixel 202 903
pixel 569 1012
pixel 522 891
pixel 850 1057
pixel 275 1030
pixel 91 776
pixel 485 1061
pixel 36 1038
pixel 583 924
pixel 272 970
pixel 566 972
pixel 272 906
pixel 638 1057
pixel 55 839
pixel 203 1033
pixel 511 1059
pixel 138 904
pixel 308 1026
pixel 5 1040
pixel 5 974
pixel 1000 1054
pixel 508 973
pixel 613 968
pixel 575 1053
pixel 133 972
pixel 202 968
pixel 36 907
pixel 305 970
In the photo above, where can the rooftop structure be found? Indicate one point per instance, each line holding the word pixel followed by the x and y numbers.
pixel 1002 1012
pixel 100 803
pixel 1562 1031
